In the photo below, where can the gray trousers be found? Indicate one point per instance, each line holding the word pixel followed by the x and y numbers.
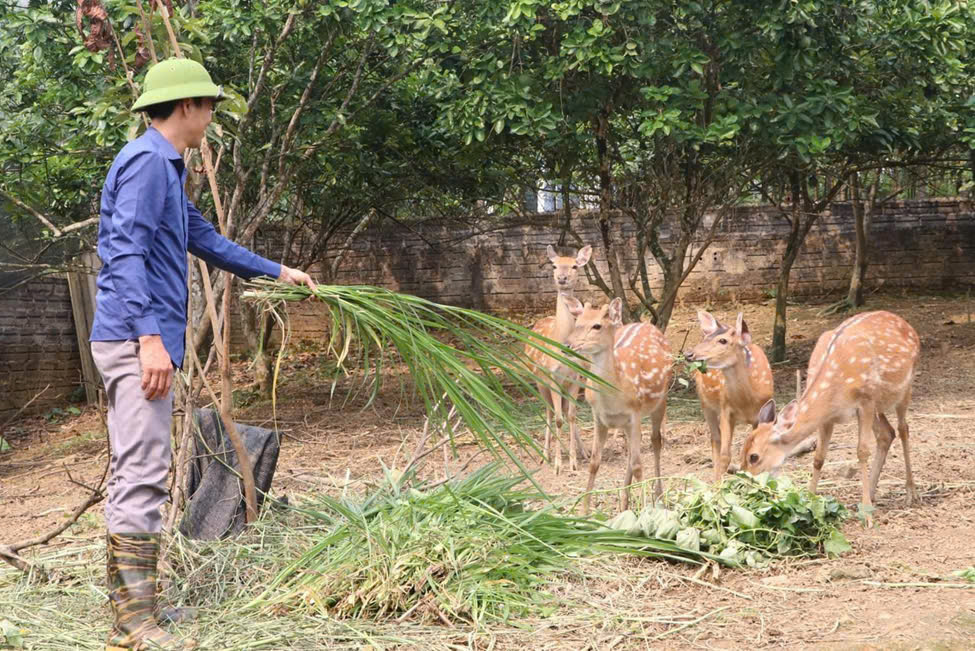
pixel 138 432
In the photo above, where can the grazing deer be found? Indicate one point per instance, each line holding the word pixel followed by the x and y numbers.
pixel 737 383
pixel 565 270
pixel 862 368
pixel 635 361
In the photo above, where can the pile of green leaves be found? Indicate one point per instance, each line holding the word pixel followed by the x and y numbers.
pixel 468 550
pixel 745 521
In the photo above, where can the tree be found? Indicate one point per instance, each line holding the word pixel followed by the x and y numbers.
pixel 836 100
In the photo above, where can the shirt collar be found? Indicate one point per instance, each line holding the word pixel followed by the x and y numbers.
pixel 162 145
pixel 165 148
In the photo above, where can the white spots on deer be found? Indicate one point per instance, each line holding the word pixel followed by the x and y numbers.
pixel 873 356
pixel 626 335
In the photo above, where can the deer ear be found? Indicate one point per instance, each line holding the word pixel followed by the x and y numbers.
pixel 709 325
pixel 575 307
pixel 582 257
pixel 616 311
pixel 786 419
pixel 742 328
pixel 550 252
pixel 767 413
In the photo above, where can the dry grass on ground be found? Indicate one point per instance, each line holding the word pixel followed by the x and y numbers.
pixel 884 594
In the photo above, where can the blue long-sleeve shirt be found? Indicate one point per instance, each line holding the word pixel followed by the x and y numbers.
pixel 147 225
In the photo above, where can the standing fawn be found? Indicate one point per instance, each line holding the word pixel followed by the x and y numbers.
pixel 557 328
pixel 737 383
pixel 862 368
pixel 635 361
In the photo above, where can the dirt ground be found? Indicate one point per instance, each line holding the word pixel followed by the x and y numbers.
pixel 890 592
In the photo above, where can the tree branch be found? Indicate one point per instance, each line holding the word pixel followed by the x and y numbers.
pixel 10 553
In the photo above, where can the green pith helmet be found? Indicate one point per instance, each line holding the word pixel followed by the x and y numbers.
pixel 176 79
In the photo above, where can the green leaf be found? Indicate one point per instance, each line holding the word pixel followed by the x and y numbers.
pixel 11 636
pixel 836 544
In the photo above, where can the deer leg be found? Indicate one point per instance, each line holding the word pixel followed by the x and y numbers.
pixel 657 440
pixel 884 433
pixel 580 396
pixel 727 428
pixel 634 466
pixel 825 434
pixel 557 431
pixel 903 433
pixel 601 433
pixel 711 418
pixel 866 414
pixel 547 397
pixel 575 441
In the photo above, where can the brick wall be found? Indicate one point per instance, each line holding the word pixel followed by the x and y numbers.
pixel 38 346
pixel 923 244
pixel 927 243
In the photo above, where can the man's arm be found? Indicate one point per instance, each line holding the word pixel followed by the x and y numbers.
pixel 215 249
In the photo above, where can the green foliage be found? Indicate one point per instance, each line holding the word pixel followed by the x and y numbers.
pixel 456 357
pixel 745 521
pixel 968 574
pixel 57 414
pixel 469 550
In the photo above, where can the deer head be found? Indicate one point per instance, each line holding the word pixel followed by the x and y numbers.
pixel 595 327
pixel 722 346
pixel 764 449
pixel 565 269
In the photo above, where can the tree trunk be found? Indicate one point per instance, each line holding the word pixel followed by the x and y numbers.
pixel 782 288
pixel 673 279
pixel 605 203
pixel 257 332
pixel 863 212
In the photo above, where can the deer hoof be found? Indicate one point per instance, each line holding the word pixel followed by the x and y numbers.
pixel 912 497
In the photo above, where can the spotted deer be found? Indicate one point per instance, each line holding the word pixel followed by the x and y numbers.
pixel 737 384
pixel 862 368
pixel 565 270
pixel 635 361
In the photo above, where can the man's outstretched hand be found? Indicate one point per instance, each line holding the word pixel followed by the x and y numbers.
pixel 296 277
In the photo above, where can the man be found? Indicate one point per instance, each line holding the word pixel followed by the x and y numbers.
pixel 147 226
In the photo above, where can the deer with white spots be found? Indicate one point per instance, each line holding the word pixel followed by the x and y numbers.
pixel 737 384
pixel 635 360
pixel 565 270
pixel 862 368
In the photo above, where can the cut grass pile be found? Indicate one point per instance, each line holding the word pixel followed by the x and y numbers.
pixel 471 550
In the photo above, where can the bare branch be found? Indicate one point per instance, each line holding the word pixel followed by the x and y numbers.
pixel 10 553
pixel 21 410
pixel 44 220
